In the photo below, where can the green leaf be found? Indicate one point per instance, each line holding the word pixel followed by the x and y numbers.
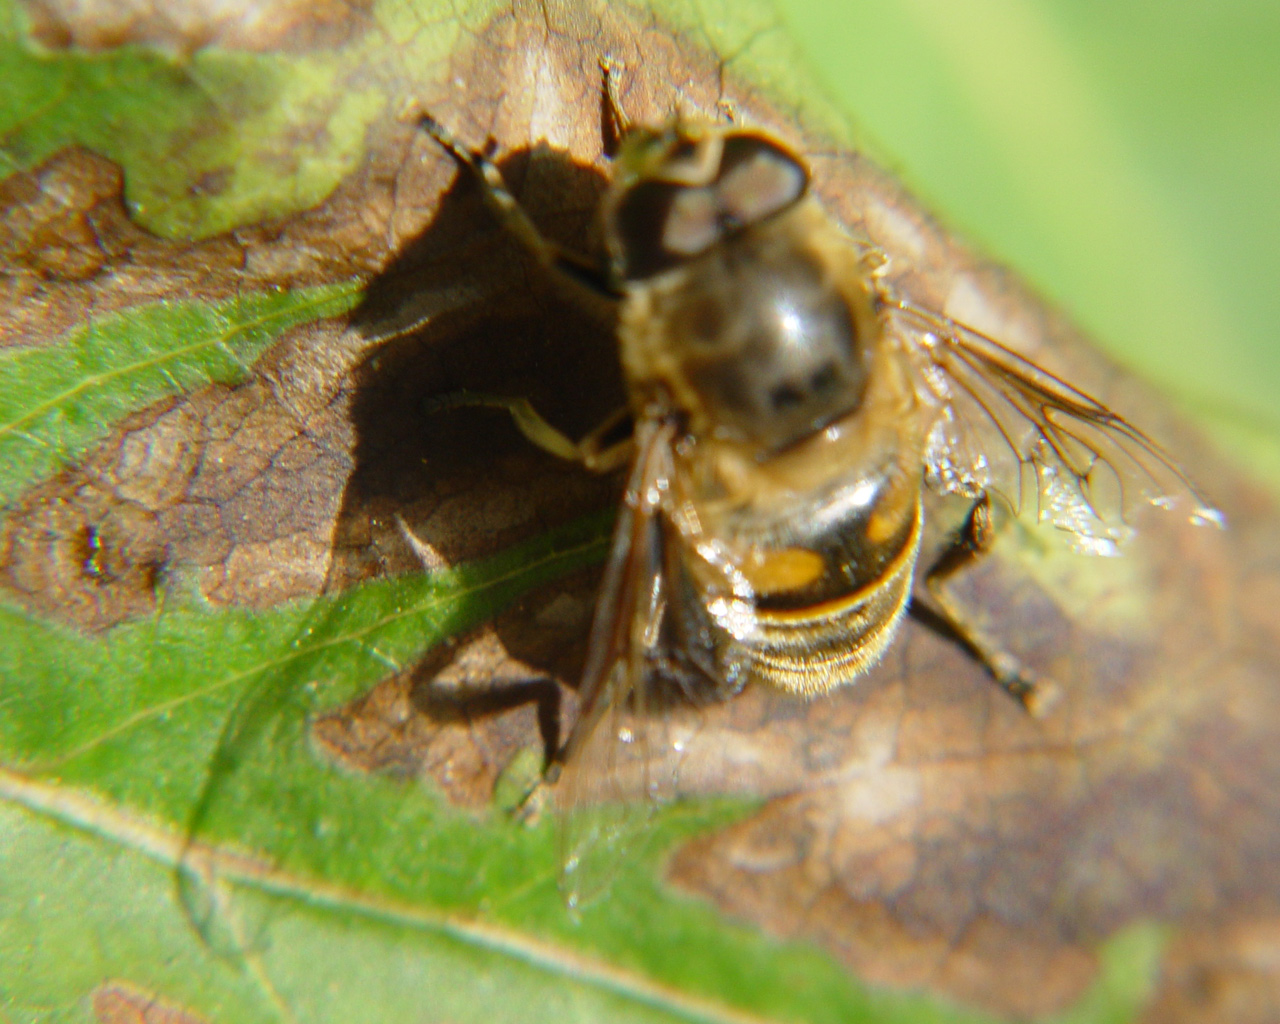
pixel 210 153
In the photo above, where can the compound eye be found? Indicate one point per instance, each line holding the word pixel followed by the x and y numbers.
pixel 758 178
pixel 640 228
pixel 659 222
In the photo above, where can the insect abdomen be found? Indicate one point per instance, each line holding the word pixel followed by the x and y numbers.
pixel 809 649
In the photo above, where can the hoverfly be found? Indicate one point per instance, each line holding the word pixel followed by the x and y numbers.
pixel 789 411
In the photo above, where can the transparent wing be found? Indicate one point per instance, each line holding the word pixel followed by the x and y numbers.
pixel 605 792
pixel 650 665
pixel 1005 425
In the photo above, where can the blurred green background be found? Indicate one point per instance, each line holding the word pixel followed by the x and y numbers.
pixel 1123 155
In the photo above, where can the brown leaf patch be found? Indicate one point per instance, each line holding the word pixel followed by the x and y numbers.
pixel 1220 975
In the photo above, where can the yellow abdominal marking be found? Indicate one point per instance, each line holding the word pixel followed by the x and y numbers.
pixel 882 525
pixel 770 572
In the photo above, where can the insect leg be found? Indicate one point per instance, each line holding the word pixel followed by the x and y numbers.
pixel 977 535
pixel 597 452
pixel 616 123
pixel 512 216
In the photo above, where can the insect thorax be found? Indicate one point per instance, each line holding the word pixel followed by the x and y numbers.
pixel 760 340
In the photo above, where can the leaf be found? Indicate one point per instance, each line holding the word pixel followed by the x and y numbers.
pixel 210 153
pixel 60 399
pixel 208 801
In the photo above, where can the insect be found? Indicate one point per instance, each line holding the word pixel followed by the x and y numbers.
pixel 789 412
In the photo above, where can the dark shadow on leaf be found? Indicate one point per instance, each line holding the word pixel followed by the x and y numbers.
pixel 463 308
